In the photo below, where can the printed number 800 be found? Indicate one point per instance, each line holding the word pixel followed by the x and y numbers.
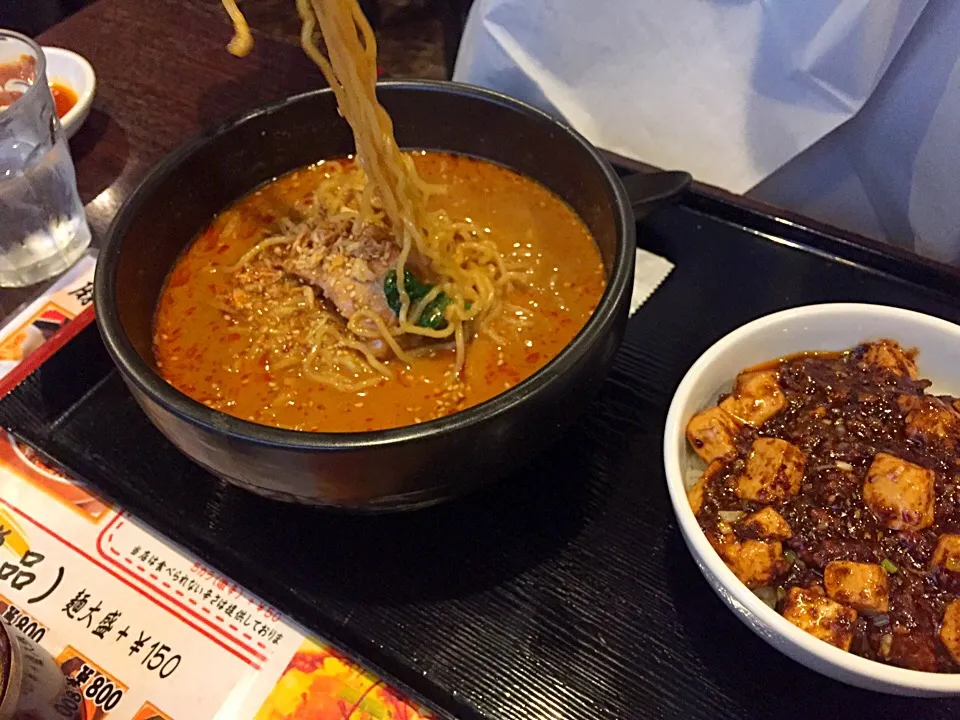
pixel 103 693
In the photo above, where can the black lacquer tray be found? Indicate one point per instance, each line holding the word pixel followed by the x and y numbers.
pixel 564 592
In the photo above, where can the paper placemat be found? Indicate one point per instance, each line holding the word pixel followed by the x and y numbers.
pixel 145 630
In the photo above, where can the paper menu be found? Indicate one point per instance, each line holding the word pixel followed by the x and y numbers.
pixel 147 631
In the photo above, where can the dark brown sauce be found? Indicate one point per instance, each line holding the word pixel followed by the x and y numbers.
pixel 776 363
pixel 841 412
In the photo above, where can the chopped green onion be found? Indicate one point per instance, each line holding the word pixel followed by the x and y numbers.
pixel 888 566
pixel 768 595
pixel 791 556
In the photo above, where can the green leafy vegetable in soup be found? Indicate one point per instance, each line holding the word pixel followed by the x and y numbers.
pixel 432 315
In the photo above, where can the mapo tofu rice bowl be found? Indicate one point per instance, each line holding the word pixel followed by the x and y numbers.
pixel 813 459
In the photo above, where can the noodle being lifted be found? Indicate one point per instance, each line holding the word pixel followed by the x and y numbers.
pixel 466 272
pixel 378 290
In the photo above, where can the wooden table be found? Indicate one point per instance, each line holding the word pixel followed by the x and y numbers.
pixel 163 74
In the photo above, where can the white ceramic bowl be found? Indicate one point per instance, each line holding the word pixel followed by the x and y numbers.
pixel 72 70
pixel 816 327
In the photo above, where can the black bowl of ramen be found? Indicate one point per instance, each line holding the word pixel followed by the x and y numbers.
pixel 400 467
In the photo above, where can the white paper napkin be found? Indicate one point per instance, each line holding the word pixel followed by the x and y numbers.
pixel 843 110
pixel 729 90
pixel 651 270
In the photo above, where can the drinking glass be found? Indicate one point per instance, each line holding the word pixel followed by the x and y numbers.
pixel 43 230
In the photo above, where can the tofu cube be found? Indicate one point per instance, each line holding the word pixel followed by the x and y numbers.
pixel 711 433
pixel 820 616
pixel 861 585
pixel 774 471
pixel 929 418
pixel 695 493
pixel 767 524
pixel 756 398
pixel 757 563
pixel 947 553
pixel 950 630
pixel 888 354
pixel 899 493
pixel 754 562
